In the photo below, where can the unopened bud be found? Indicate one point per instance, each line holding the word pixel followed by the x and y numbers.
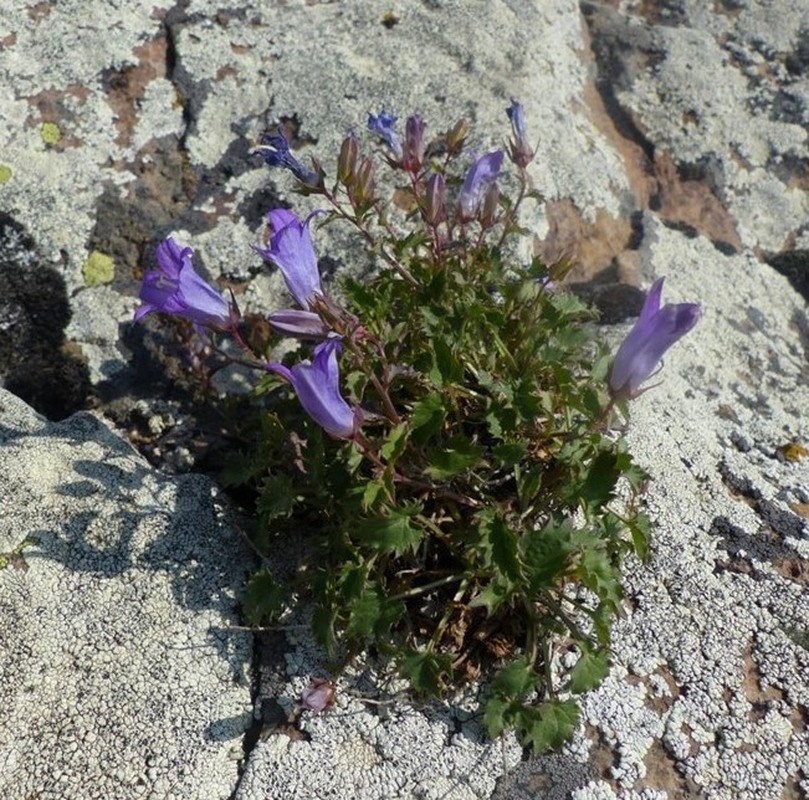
pixel 488 213
pixel 457 136
pixel 365 186
pixel 434 211
pixel 413 156
pixel 347 161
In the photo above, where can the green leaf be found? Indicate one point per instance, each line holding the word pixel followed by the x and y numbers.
pixel 495 715
pixel 549 726
pixel 393 533
pixel 324 617
pixel 427 671
pixel 600 576
pixel 447 368
pixel 590 671
pixel 640 527
pixel 545 553
pixel 264 598
pixel 373 612
pixel 427 417
pixel 528 484
pixel 599 484
pixel 502 543
pixel 493 595
pixel 509 454
pixel 515 680
pixel 395 443
pixel 459 456
pixel 276 498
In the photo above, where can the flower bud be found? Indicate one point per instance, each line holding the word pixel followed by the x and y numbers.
pixel 347 161
pixel 488 212
pixel 413 156
pixel 434 211
pixel 521 151
pixel 457 136
pixel 364 188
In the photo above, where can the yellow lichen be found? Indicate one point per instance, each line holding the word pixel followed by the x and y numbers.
pixel 99 268
pixel 50 133
pixel 5 173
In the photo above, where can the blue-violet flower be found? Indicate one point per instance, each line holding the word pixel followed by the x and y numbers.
pixel 176 288
pixel 291 250
pixel 317 385
pixel 656 330
pixel 480 176
pixel 382 125
pixel 274 149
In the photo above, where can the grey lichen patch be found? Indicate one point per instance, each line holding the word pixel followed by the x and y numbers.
pixel 118 655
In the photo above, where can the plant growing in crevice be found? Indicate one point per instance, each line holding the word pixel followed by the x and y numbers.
pixel 463 501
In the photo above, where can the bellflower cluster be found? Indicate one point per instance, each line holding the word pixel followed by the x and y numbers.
pixel 462 480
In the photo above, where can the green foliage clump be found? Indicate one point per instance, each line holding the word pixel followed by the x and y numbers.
pixel 474 526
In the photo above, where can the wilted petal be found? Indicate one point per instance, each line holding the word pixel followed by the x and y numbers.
pixel 318 696
pixel 291 250
pixel 481 174
pixel 298 323
pixel 656 330
pixel 176 288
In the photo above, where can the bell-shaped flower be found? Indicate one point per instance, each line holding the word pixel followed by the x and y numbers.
pixel 291 250
pixel 317 384
pixel 382 124
pixel 656 330
pixel 480 176
pixel 176 288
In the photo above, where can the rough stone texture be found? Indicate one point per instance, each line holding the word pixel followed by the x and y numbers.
pixel 119 676
pixel 671 139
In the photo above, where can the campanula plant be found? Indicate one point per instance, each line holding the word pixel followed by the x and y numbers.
pixel 437 440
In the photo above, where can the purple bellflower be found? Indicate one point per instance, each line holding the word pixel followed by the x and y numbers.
pixel 382 125
pixel 291 250
pixel 274 149
pixel 317 385
pixel 656 330
pixel 176 288
pixel 521 151
pixel 480 176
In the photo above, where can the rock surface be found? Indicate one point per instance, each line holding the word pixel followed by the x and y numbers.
pixel 671 140
pixel 120 674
